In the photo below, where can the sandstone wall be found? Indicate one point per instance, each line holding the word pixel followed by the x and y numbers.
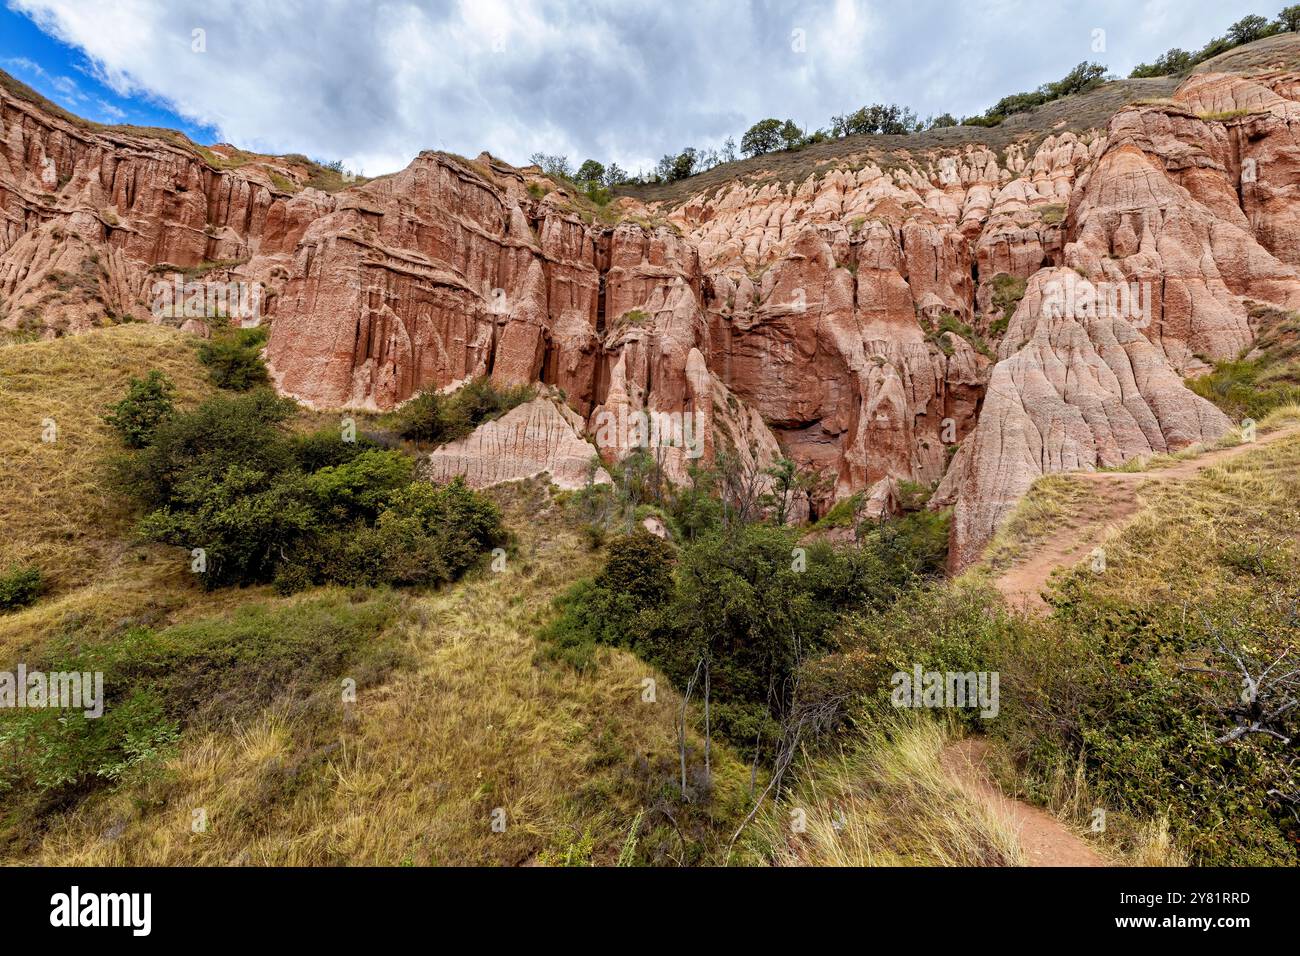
pixel 849 319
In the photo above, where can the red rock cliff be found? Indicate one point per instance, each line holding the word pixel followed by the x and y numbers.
pixel 854 315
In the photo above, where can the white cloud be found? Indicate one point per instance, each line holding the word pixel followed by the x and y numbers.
pixel 624 80
pixel 64 85
pixel 110 112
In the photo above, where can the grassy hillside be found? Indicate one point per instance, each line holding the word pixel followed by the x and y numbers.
pixel 52 497
pixel 1117 700
pixel 1077 113
pixel 1265 377
pixel 1117 710
pixel 57 509
pixel 456 714
pixel 455 717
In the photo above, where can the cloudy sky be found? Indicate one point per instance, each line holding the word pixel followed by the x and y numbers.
pixel 373 83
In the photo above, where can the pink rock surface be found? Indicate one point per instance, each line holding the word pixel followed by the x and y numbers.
pixel 822 319
pixel 537 437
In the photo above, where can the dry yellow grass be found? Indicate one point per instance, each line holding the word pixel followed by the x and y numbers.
pixel 885 801
pixel 1173 549
pixel 1125 841
pixel 1050 501
pixel 150 586
pixel 473 720
pixel 1281 417
pixel 56 509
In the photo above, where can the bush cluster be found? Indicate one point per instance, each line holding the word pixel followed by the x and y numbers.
pixel 19 587
pixel 256 503
pixel 233 357
pixel 432 418
pixel 743 605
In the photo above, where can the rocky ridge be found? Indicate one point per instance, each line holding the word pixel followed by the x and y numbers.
pixel 854 318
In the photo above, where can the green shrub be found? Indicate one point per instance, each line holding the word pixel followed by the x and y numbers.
pixel 19 587
pixel 434 418
pixel 229 479
pixel 460 524
pixel 241 522
pixel 233 357
pixel 939 627
pixel 694 508
pixel 319 449
pixel 156 682
pixel 951 323
pixel 425 535
pixel 148 401
pixel 362 487
pixel 423 419
pixel 749 605
pixel 50 750
pixel 246 431
pixel 842 514
pixel 639 565
pixel 916 541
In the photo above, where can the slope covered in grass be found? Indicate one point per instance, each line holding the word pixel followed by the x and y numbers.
pixel 1121 703
pixel 57 511
pixel 457 716
pixel 230 704
pixel 884 800
pixel 1206 572
pixel 1262 379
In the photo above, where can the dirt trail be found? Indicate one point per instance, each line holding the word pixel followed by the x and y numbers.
pixel 1044 840
pixel 1112 499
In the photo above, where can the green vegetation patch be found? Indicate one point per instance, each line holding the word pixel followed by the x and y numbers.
pixel 432 418
pixel 1263 379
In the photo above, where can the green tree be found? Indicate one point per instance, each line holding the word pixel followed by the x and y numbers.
pixel 590 172
pixel 148 401
pixel 201 445
pixel 242 520
pixel 234 358
pixel 557 167
pixel 1248 29
pixel 683 164
pixel 1172 62
pixel 763 137
pixel 785 478
pixel 614 175
pixel 1288 19
pixel 791 135
pixel 878 118
pixel 1084 77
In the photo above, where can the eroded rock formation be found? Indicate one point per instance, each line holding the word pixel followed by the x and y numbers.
pixel 543 436
pixel 855 319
